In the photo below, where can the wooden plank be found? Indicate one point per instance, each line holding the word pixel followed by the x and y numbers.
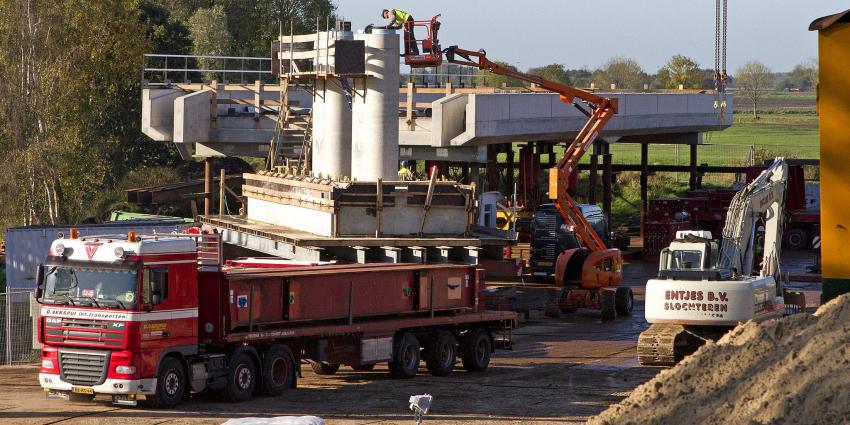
pixel 411 91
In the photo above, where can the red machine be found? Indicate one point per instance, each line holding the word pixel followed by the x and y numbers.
pixel 591 273
pixel 157 317
pixel 431 55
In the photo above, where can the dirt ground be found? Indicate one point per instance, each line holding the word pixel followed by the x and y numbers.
pixel 562 370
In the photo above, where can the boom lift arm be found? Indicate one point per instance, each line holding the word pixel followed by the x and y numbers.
pixel 601 111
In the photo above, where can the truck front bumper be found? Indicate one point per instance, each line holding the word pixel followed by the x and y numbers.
pixel 109 386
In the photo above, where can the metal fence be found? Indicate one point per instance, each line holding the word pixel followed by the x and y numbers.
pixel 18 321
pixel 165 70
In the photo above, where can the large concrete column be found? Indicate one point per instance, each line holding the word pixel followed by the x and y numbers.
pixel 331 152
pixel 374 140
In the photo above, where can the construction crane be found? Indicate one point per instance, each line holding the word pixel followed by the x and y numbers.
pixel 591 274
pixel 703 288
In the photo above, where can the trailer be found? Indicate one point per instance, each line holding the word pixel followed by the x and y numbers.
pixel 155 318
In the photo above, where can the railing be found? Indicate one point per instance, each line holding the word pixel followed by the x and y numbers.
pixel 166 70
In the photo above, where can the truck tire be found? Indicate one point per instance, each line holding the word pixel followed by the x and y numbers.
pixel 624 300
pixel 475 349
pixel 278 370
pixel 608 304
pixel 797 239
pixel 363 367
pixel 324 368
pixel 170 385
pixel 441 354
pixel 241 377
pixel 406 354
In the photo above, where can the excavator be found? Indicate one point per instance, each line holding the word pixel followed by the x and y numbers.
pixel 590 275
pixel 705 288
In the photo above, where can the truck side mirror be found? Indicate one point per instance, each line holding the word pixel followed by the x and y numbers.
pixel 156 299
pixel 39 283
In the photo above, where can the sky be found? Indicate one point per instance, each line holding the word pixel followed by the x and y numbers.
pixel 587 33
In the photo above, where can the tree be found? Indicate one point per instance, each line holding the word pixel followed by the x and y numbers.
pixel 625 73
pixel 680 70
pixel 804 77
pixel 210 37
pixel 752 81
pixel 553 72
pixel 494 80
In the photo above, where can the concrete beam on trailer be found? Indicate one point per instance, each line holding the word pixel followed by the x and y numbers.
pixel 268 246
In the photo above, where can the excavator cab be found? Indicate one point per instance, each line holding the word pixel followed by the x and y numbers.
pixel 430 56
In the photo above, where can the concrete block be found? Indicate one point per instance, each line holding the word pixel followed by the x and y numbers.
pixel 192 117
pixel 158 113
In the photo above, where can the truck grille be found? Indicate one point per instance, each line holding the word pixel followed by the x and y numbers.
pixel 82 331
pixel 83 367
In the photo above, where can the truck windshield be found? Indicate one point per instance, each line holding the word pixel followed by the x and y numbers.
pixel 108 288
pixel 685 260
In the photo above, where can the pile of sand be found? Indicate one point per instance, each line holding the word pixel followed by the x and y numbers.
pixel 794 370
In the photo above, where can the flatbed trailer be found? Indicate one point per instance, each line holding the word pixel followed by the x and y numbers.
pixel 151 318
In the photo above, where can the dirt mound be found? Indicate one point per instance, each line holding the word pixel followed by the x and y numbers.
pixel 792 370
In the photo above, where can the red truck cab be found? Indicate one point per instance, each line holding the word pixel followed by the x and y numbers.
pixel 112 308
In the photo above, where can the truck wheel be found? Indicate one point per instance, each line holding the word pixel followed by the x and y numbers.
pixel 441 354
pixel 475 349
pixel 608 304
pixel 797 239
pixel 170 385
pixel 624 300
pixel 405 356
pixel 324 368
pixel 363 367
pixel 278 370
pixel 241 378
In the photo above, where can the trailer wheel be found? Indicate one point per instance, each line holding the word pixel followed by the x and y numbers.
pixel 324 368
pixel 608 304
pixel 475 349
pixel 405 356
pixel 624 300
pixel 363 367
pixel 241 378
pixel 441 354
pixel 278 370
pixel 170 385
pixel 797 239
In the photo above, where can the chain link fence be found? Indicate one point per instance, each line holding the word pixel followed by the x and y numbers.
pixel 18 321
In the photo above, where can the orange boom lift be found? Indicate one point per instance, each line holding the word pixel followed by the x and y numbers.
pixel 590 275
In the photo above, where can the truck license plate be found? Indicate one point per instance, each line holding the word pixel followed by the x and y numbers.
pixel 544 263
pixel 80 390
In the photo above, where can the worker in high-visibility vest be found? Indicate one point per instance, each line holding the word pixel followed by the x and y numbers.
pixel 400 19
pixel 404 173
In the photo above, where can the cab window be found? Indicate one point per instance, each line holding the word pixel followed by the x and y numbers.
pixel 156 283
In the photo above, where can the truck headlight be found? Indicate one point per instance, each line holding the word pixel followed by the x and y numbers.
pixel 47 364
pixel 126 370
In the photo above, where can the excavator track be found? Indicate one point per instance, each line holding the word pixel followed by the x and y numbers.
pixel 665 345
